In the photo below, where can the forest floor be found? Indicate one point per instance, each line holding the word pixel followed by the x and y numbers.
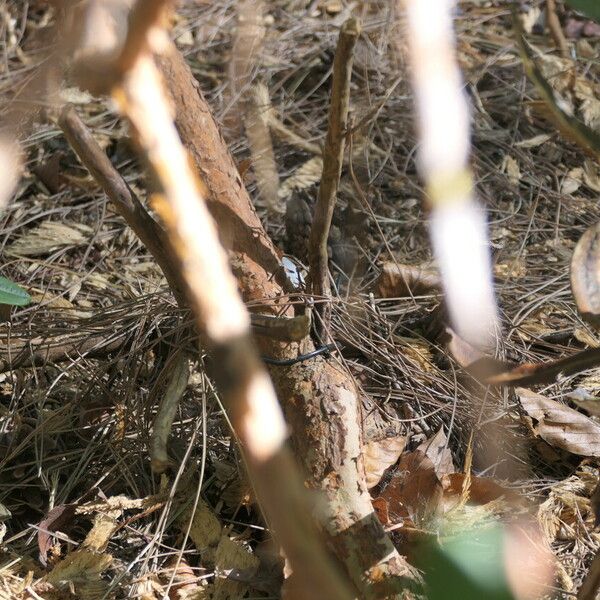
pixel 75 428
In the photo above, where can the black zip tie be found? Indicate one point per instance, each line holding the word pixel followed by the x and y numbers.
pixel 287 362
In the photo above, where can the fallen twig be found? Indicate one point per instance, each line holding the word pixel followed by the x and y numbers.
pixel 555 28
pixel 491 371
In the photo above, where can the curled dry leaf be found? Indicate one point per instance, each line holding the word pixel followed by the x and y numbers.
pixel 399 280
pixel 585 275
pixel 560 425
pixel 380 455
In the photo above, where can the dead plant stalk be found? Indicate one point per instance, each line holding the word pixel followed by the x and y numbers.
pixel 333 157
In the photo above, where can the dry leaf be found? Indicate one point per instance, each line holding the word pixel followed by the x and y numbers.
pixel 49 237
pixel 399 280
pixel 510 269
pixel 511 167
pixel 380 455
pixel 205 530
pixel 437 450
pixel 235 566
pixel 534 142
pixel 414 492
pixel 572 182
pixel 482 490
pixel 560 425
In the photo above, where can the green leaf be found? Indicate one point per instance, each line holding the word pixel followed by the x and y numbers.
pixel 11 293
pixel 590 8
pixel 469 566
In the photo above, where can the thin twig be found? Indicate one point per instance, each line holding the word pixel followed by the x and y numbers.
pixel 333 156
pixel 555 29
pixel 124 200
pixel 457 225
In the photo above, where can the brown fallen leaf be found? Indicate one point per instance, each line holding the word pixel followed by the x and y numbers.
pixel 482 490
pixel 380 455
pixel 398 280
pixel 414 492
pixel 584 280
pixel 60 518
pixel 437 450
pixel 560 425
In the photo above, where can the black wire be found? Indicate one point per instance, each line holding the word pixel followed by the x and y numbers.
pixel 287 362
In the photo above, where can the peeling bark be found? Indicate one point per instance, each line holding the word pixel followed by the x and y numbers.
pixel 321 401
pixel 254 259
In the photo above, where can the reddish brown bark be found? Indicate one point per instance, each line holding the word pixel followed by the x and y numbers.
pixel 321 401
pixel 254 259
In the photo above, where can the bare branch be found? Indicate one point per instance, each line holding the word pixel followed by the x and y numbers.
pixel 126 203
pixel 333 157
pixel 321 400
pixel 457 224
pixel 555 28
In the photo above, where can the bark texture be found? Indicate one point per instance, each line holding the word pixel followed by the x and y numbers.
pixel 254 260
pixel 321 400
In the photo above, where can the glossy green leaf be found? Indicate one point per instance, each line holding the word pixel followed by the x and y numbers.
pixel 590 8
pixel 11 293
